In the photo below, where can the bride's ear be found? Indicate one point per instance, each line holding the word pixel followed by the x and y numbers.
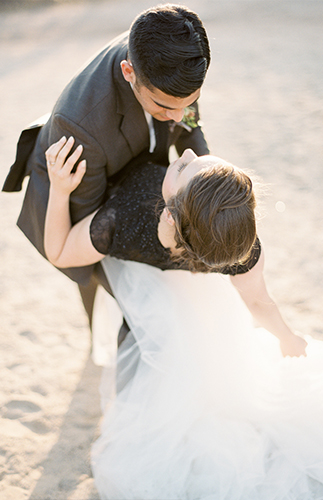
pixel 168 217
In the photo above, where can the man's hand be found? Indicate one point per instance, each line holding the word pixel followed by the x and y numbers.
pixel 60 170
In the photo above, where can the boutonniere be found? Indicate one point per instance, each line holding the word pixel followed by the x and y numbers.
pixel 189 120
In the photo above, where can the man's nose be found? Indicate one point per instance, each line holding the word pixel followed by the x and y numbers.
pixel 175 114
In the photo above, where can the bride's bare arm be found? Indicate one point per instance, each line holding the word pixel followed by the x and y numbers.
pixel 66 245
pixel 253 291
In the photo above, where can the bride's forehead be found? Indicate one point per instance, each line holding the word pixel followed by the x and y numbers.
pixel 214 159
pixel 209 161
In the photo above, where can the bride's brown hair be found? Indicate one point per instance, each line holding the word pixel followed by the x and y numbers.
pixel 215 223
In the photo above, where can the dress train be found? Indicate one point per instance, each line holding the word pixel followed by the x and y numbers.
pixel 207 407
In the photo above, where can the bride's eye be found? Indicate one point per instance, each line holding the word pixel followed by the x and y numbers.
pixel 180 168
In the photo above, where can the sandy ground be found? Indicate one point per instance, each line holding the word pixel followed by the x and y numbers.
pixel 262 109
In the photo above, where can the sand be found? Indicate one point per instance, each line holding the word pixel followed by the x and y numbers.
pixel 262 109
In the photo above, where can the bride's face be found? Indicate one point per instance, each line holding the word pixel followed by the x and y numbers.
pixel 181 171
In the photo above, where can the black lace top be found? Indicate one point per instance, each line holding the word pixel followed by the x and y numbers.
pixel 126 225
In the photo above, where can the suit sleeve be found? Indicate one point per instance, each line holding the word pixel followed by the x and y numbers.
pixel 84 200
pixel 193 139
pixel 89 195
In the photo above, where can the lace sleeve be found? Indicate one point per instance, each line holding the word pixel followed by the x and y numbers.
pixel 102 228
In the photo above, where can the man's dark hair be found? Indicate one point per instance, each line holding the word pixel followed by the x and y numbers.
pixel 169 50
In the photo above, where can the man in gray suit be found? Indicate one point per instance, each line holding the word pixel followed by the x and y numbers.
pixel 125 107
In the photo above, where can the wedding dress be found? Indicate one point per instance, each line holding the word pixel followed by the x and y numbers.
pixel 207 408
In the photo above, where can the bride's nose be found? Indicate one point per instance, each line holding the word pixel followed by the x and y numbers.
pixel 188 155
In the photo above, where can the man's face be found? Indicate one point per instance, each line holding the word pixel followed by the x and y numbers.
pixel 161 106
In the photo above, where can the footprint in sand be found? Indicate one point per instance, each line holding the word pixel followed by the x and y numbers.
pixel 18 408
pixel 39 390
pixel 22 410
pixel 29 335
pixel 38 426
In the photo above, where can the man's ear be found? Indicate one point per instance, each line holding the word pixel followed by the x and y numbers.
pixel 168 217
pixel 128 72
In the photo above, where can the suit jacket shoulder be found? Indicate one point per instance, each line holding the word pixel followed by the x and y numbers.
pixel 93 84
pixel 101 102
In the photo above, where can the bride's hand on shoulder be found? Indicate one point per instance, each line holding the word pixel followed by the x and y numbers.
pixel 293 346
pixel 60 167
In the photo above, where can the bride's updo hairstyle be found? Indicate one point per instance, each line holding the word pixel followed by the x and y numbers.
pixel 215 223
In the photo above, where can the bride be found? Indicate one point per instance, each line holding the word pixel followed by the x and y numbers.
pixel 208 407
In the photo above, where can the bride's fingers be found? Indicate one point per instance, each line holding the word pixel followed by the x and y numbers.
pixel 79 173
pixel 52 152
pixel 57 153
pixel 70 163
pixel 62 152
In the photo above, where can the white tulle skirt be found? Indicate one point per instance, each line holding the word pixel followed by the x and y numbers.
pixel 206 407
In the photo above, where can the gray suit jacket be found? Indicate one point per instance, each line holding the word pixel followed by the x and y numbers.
pixel 100 110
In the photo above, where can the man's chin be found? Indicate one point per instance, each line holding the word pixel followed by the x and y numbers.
pixel 161 118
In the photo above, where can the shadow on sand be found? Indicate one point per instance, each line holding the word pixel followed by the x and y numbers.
pixel 67 465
